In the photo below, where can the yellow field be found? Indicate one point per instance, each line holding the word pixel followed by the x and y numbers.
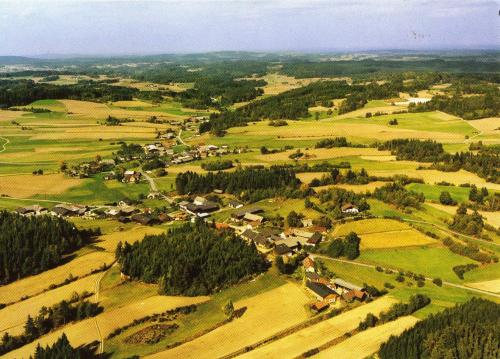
pixel 383 233
pixel 492 218
pixel 266 314
pixel 333 128
pixel 134 103
pixel 85 332
pixel 23 186
pixel 277 83
pixel 307 177
pixel 7 116
pixel 434 176
pixel 356 188
pixel 490 285
pixel 79 266
pixel 109 241
pixel 13 317
pixel 362 112
pixel 324 153
pixel 367 342
pixel 318 334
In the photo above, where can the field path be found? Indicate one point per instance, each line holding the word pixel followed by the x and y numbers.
pixel 96 299
pixel 395 270
pixel 151 181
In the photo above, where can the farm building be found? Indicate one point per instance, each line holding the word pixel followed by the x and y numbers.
pixel 350 208
pixel 320 290
pixel 69 210
pixel 32 210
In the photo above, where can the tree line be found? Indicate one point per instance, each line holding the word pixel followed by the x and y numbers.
pixel 469 330
pixel 30 245
pixel 193 259
pixel 48 319
pixel 398 195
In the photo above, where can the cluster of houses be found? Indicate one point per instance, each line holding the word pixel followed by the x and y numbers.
pixel 328 292
pixel 61 210
pixel 87 169
pixel 200 207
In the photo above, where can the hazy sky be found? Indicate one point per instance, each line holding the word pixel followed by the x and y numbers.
pixel 29 27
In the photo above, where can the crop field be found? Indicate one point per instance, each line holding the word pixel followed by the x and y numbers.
pixel 285 307
pixel 356 188
pixel 297 343
pixel 383 233
pixel 85 331
pixel 23 186
pixel 489 285
pixel 324 153
pixel 13 317
pixel 366 343
pixel 491 217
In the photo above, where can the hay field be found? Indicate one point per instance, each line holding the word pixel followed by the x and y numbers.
pixel 109 241
pixel 79 266
pixel 323 153
pixel 307 177
pixel 24 186
pixel 295 344
pixel 277 83
pixel 487 125
pixel 85 331
pixel 489 285
pixel 133 103
pixel 266 314
pixel 366 343
pixel 356 188
pixel 384 233
pixel 492 218
pixel 13 317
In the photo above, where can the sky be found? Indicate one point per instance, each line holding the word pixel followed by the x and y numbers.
pixel 120 27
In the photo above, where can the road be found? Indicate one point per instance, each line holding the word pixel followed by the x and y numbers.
pixel 151 181
pixel 396 270
pixel 180 138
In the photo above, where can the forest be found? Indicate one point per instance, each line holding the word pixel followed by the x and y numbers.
pixel 469 330
pixel 24 92
pixel 414 150
pixel 190 260
pixel 30 245
pixel 62 349
pixel 398 195
pixel 246 179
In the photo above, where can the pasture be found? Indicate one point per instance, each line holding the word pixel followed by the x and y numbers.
pixel 383 233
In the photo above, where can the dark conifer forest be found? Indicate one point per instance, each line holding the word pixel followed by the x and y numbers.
pixel 191 260
pixel 469 330
pixel 30 245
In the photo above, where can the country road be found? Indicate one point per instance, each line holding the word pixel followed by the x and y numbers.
pixel 180 138
pixel 396 270
pixel 151 181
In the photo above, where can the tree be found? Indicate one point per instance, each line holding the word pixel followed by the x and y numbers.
pixel 336 248
pixel 445 198
pixel 294 219
pixel 229 309
pixel 30 329
pixel 351 246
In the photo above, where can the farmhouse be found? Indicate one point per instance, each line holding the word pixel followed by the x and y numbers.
pixel 258 238
pixel 235 204
pixel 131 177
pixel 282 250
pixel 31 210
pixel 200 207
pixel 240 214
pixel 143 219
pixel 319 306
pixel 250 217
pixel 320 290
pixel 308 264
pixel 349 208
pixel 69 210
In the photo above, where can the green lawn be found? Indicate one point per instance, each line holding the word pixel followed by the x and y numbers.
pixel 430 261
pixel 432 192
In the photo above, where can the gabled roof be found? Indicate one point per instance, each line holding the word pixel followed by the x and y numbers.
pixel 320 289
pixel 345 284
pixel 281 249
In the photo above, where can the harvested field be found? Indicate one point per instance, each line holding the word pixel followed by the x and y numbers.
pixel 13 317
pixel 284 307
pixel 366 343
pixel 109 241
pixel 85 332
pixel 307 177
pixel 368 226
pixel 23 186
pixel 492 218
pixel 135 103
pixel 356 188
pixel 489 285
pixel 486 125
pixel 79 266
pixel 318 334
pixel 324 153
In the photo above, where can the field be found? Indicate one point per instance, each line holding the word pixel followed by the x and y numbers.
pixel 430 261
pixel 297 343
pixel 432 192
pixel 366 343
pixel 284 307
pixel 85 331
pixel 490 285
pixel 383 233
pixel 24 186
pixel 356 188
